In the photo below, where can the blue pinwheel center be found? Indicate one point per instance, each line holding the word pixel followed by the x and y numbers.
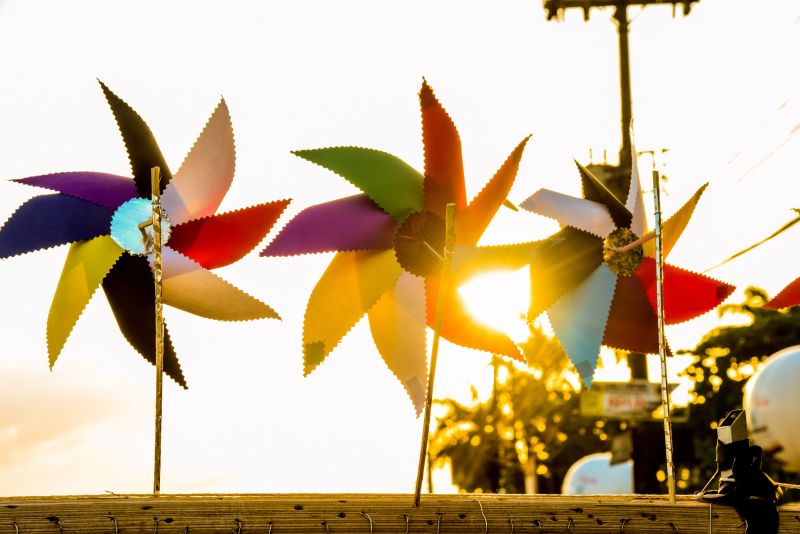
pixel 130 231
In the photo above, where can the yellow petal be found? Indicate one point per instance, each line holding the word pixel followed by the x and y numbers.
pixel 674 226
pixel 87 263
pixel 349 287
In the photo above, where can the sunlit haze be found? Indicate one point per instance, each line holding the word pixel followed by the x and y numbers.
pixel 719 89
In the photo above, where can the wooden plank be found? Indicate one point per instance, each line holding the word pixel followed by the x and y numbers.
pixel 352 514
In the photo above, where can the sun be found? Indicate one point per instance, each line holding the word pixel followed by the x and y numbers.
pixel 500 300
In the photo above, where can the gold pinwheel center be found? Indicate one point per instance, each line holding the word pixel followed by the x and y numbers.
pixel 419 243
pixel 622 262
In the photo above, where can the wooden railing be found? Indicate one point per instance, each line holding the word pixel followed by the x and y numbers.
pixel 360 513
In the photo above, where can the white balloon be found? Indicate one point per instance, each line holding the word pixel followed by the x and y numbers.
pixel 593 475
pixel 772 407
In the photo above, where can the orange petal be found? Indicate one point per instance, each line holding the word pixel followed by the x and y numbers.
pixel 444 168
pixel 471 225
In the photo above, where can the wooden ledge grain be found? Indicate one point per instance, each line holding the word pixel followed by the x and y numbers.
pixel 357 513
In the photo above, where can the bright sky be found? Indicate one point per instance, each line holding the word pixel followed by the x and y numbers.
pixel 718 88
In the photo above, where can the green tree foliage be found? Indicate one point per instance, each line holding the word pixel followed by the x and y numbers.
pixel 527 434
pixel 723 361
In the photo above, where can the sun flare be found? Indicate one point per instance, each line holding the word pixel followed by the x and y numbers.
pixel 500 300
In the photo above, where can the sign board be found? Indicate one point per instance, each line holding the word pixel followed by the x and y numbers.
pixel 622 400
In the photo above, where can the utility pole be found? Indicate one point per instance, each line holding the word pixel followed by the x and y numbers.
pixel 555 9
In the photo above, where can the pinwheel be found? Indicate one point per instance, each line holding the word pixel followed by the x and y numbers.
pixel 388 243
pixel 100 215
pixel 594 295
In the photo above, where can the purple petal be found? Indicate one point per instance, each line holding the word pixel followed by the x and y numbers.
pixel 51 220
pixel 103 189
pixel 350 223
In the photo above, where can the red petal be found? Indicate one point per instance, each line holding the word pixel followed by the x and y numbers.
pixel 632 323
pixel 459 327
pixel 444 168
pixel 222 239
pixel 686 294
pixel 788 296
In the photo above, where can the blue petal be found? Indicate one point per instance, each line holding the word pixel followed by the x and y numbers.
pixel 51 220
pixel 579 320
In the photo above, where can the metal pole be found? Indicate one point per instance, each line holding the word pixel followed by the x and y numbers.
pixel 662 343
pixel 621 16
pixel 155 183
pixel 450 237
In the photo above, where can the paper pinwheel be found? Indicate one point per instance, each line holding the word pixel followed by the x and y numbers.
pixel 389 242
pixel 99 214
pixel 595 296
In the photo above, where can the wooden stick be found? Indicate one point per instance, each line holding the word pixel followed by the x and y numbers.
pixel 449 241
pixel 155 184
pixel 662 343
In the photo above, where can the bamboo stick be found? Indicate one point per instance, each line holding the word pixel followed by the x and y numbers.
pixel 662 342
pixel 450 238
pixel 155 184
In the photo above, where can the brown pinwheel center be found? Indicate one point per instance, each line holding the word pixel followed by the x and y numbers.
pixel 419 243
pixel 622 263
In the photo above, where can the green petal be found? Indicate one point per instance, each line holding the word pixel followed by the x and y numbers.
pixel 387 180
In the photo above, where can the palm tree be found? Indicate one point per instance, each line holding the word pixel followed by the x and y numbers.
pixel 527 434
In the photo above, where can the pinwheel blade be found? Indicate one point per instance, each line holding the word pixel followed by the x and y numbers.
pixel 471 225
pixel 586 215
pixel 787 297
pixel 143 151
pixel 350 286
pixel 579 320
pixel 51 220
pixel 674 226
pixel 390 182
pixel 398 327
pixel 563 262
pixel 444 167
pixel 87 263
pixel 632 324
pixel 205 176
pixel 190 287
pixel 635 202
pixel 107 190
pixel 461 328
pixel 594 189
pixel 222 239
pixel 129 288
pixel 686 294
pixel 345 224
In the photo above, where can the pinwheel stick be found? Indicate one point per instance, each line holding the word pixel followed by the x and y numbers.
pixel 450 238
pixel 662 344
pixel 155 183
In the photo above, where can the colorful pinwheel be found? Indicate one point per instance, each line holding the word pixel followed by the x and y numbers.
pixel 389 242
pixel 596 296
pixel 99 214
